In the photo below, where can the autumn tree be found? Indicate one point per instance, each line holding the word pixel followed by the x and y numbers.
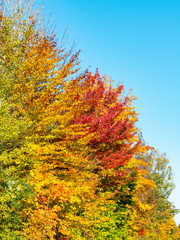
pixel 72 164
pixel 113 150
pixel 162 222
pixel 16 27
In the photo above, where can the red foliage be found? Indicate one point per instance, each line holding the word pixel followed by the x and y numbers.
pixel 142 232
pixel 113 133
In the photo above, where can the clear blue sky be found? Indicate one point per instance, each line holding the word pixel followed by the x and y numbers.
pixel 136 42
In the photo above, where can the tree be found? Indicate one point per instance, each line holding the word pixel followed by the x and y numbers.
pixel 72 163
pixel 162 221
pixel 16 28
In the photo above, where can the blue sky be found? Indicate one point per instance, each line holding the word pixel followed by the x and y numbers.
pixel 137 43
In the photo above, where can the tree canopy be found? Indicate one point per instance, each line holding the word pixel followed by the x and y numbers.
pixel 72 162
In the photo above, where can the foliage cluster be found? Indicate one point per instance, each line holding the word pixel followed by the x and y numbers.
pixel 72 161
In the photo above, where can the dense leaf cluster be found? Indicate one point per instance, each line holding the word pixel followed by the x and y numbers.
pixel 72 161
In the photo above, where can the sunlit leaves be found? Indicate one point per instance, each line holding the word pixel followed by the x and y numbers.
pixel 72 164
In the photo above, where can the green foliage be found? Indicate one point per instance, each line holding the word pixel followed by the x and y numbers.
pixel 14 197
